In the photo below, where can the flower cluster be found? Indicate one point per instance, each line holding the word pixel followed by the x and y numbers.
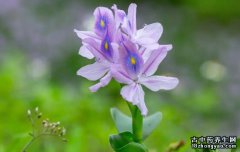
pixel 123 52
pixel 53 128
pixel 43 127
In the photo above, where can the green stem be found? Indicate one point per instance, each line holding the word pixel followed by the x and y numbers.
pixel 137 122
pixel 33 139
pixel 28 144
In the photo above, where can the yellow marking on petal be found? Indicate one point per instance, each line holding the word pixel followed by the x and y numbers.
pixel 133 61
pixel 102 23
pixel 106 45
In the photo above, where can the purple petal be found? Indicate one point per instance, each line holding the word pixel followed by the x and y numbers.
pixel 131 59
pixel 147 50
pixel 149 34
pixel 155 83
pixel 126 27
pixel 86 34
pixel 120 74
pixel 115 49
pixel 128 92
pixel 119 15
pixel 104 20
pixel 106 47
pixel 139 95
pixel 93 71
pixel 156 57
pixel 94 47
pixel 134 93
pixel 133 64
pixel 85 52
pixel 132 10
pixel 103 82
pixel 103 50
pixel 120 36
pixel 143 108
pixel 167 47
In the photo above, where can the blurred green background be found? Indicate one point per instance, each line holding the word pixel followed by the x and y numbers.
pixel 39 59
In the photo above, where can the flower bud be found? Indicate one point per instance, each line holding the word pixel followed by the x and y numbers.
pixel 29 112
pixel 36 109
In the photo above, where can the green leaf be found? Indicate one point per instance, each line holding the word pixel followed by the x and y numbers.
pixel 120 140
pixel 123 142
pixel 150 123
pixel 133 147
pixel 124 122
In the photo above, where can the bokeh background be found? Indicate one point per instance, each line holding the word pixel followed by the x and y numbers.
pixel 39 59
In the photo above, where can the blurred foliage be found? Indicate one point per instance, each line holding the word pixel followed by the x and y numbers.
pixel 32 76
pixel 86 115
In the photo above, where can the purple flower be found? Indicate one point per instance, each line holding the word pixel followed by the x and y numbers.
pixel 106 54
pixel 135 73
pixel 83 51
pixel 104 22
pixel 148 36
pixel 122 52
pixel 100 45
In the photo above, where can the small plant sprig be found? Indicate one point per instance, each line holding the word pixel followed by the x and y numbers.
pixel 43 127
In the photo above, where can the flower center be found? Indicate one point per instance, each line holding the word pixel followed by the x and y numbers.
pixel 102 23
pixel 133 61
pixel 106 45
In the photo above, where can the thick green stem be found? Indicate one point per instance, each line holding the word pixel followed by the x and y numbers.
pixel 137 122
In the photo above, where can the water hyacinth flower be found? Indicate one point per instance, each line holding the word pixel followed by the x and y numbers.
pixel 122 52
pixel 146 37
pixel 136 72
pixel 99 44
pixel 106 53
pixel 104 21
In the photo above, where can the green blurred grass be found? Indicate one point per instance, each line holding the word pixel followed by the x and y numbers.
pixel 86 115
